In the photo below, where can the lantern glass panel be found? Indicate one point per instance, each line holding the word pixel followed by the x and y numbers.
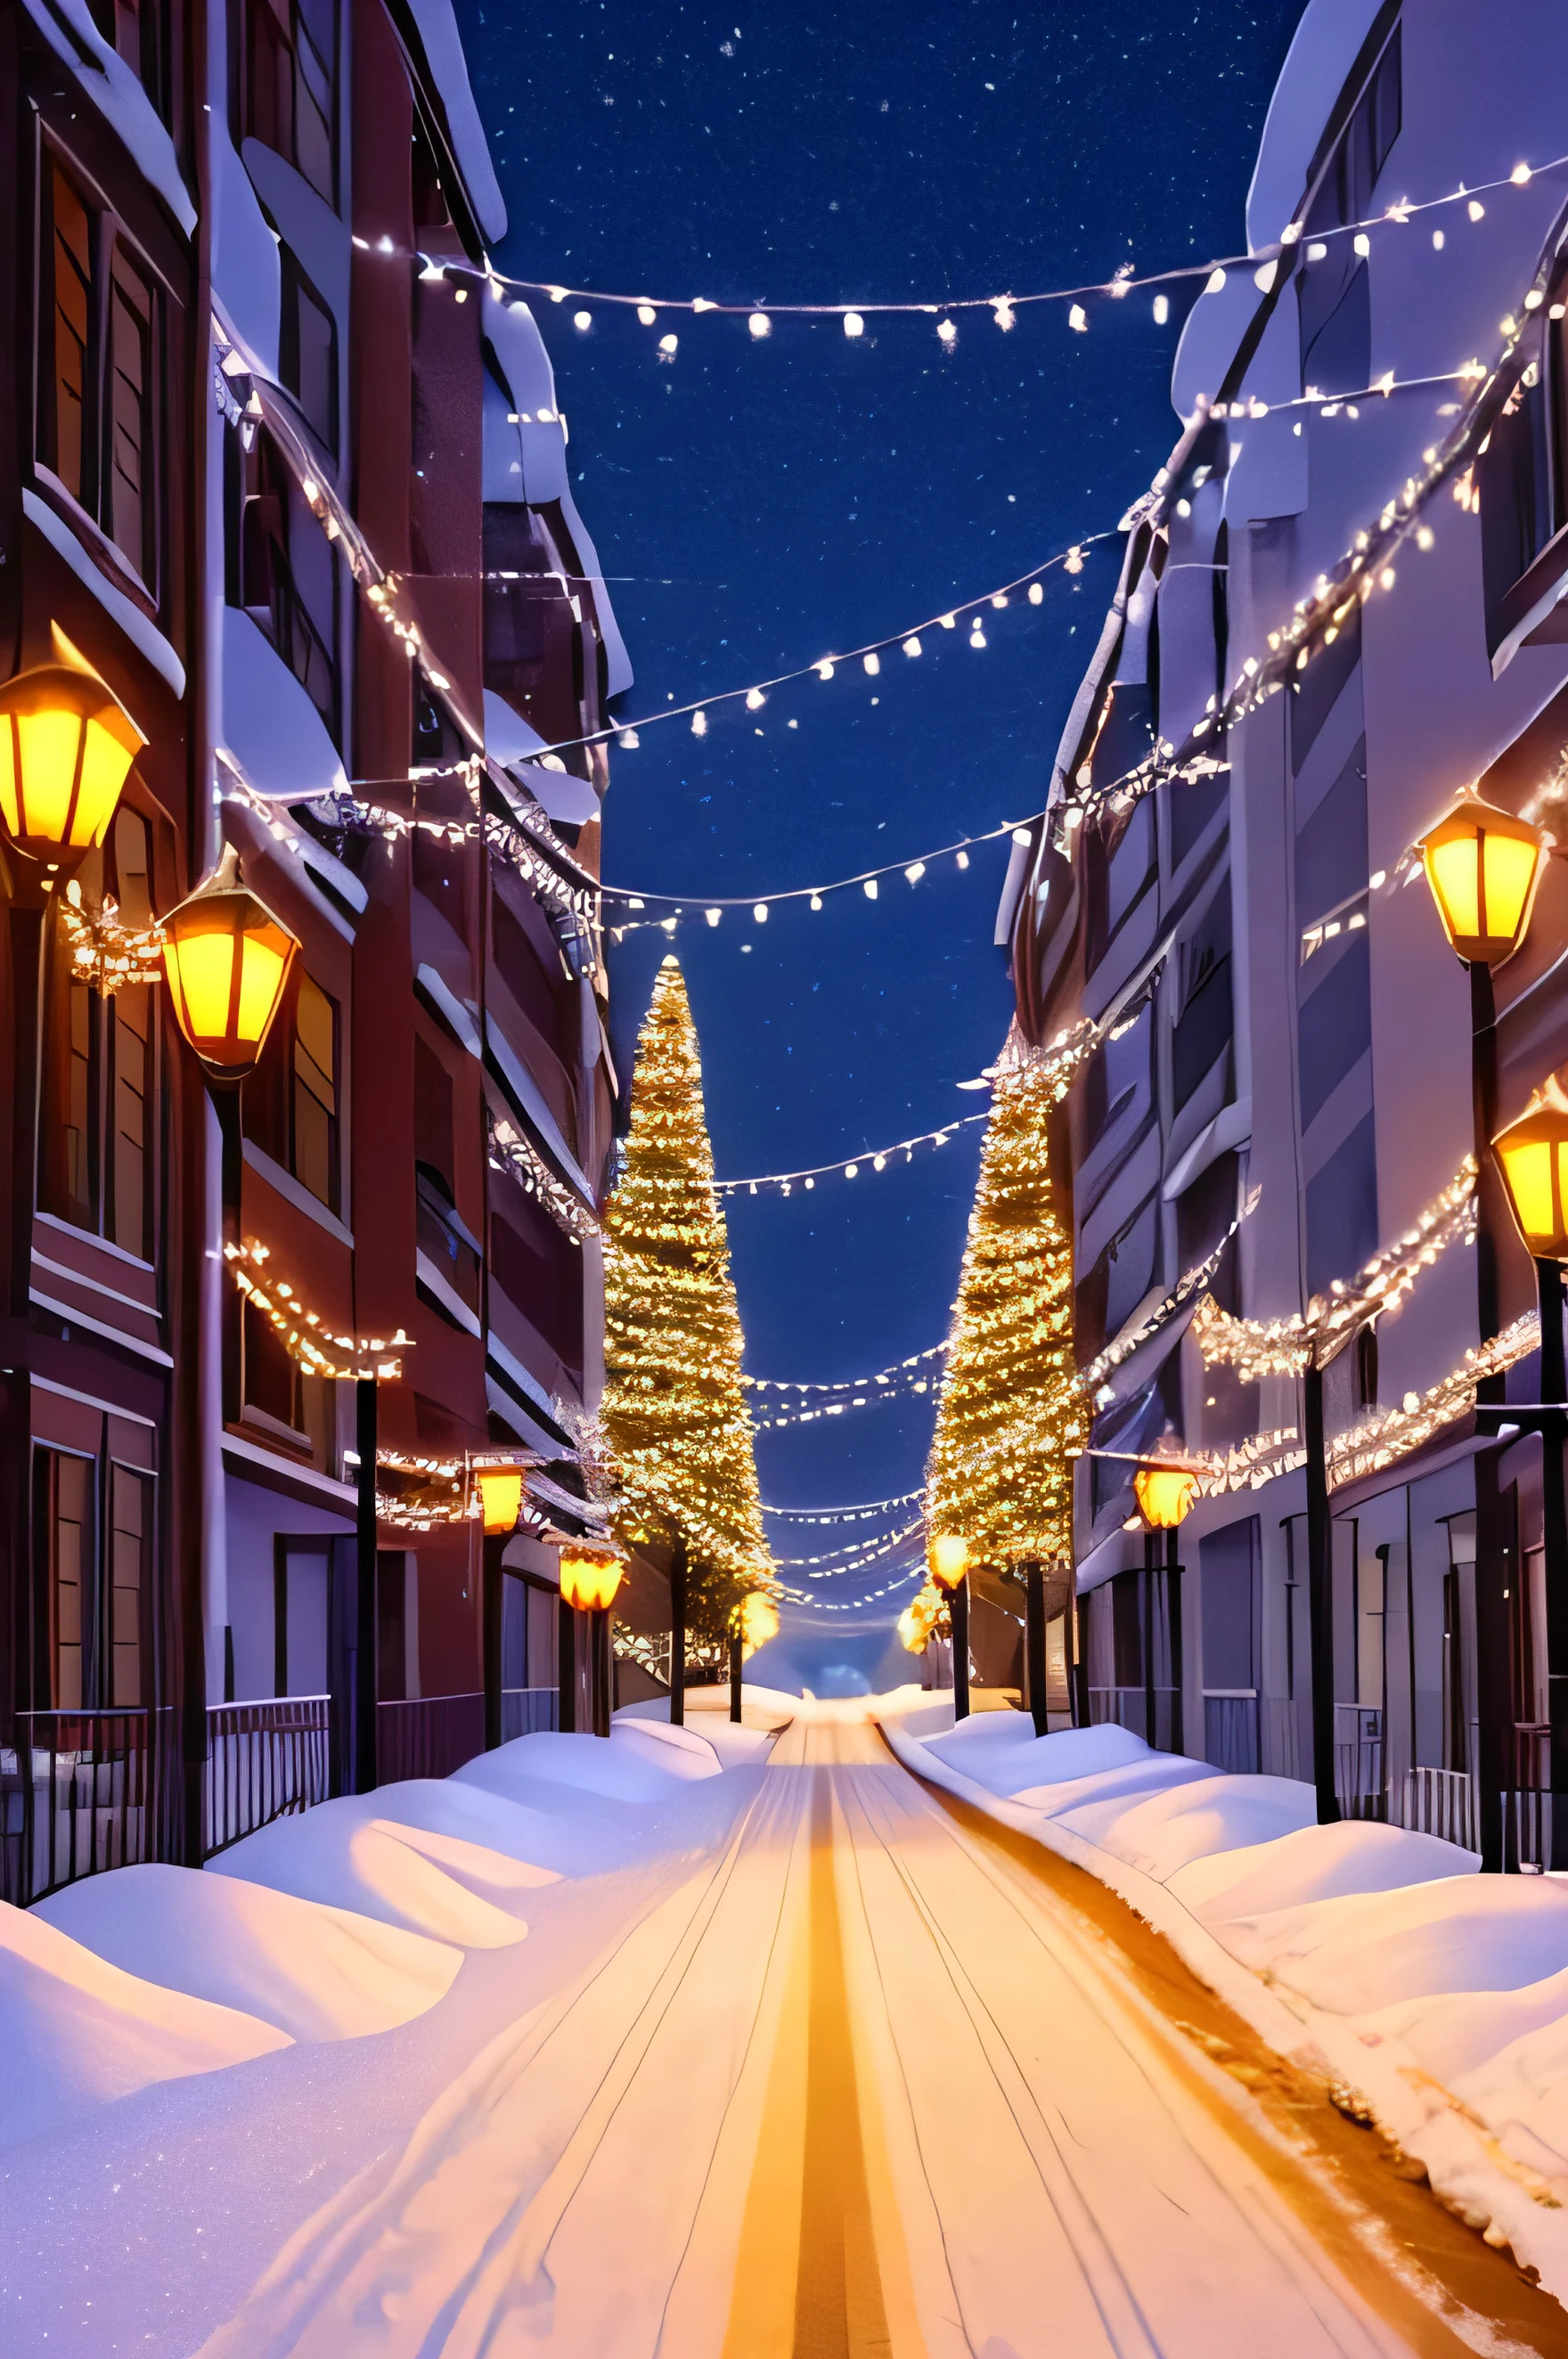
pixel 48 743
pixel 1164 1495
pixel 1509 866
pixel 500 1496
pixel 1455 876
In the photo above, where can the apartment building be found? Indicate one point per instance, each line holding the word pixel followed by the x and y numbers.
pixel 283 465
pixel 1280 1095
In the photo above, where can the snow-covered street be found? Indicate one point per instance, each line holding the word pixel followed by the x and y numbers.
pixel 818 2060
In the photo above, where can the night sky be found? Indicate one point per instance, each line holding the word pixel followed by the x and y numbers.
pixel 758 504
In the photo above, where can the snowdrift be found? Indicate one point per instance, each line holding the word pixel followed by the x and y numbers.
pixel 79 2030
pixel 312 1972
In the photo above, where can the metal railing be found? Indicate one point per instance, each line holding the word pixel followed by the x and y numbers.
pixel 265 1760
pixel 1439 1802
pixel 1358 1781
pixel 428 1736
pixel 525 1711
pixel 82 1792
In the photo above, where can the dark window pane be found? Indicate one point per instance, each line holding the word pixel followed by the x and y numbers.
pixel 315 1092
pixel 432 1114
pixel 1334 1026
pixel 132 1049
pixel 129 392
pixel 67 430
pixel 1330 848
pixel 130 1541
pixel 271 1377
pixel 1342 1211
pixel 1226 1558
pixel 70 1578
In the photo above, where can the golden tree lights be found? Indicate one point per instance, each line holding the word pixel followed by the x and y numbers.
pixel 674 1410
pixel 1012 1415
pixel 925 1617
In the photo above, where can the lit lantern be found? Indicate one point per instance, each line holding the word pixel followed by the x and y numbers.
pixel 500 1489
pixel 227 959
pixel 66 743
pixel 1483 866
pixel 758 1620
pixel 1533 1155
pixel 589 1579
pixel 948 1556
pixel 1164 1495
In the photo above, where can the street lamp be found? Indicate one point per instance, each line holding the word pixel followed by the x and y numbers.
pixel 227 959
pixel 1533 1155
pixel 1164 1493
pixel 1483 865
pixel 66 746
pixel 500 1489
pixel 947 1554
pixel 589 1581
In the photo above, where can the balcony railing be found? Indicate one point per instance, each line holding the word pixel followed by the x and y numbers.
pixel 525 1711
pixel 82 1792
pixel 265 1760
pixel 428 1736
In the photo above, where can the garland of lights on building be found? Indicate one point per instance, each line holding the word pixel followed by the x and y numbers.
pixel 303 1333
pixel 509 1151
pixel 103 952
pixel 1284 1347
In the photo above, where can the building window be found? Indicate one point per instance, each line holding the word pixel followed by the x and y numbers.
pixel 138 32
pixel 97 1599
pixel 291 1103
pixel 98 332
pixel 282 83
pixel 98 1163
pixel 282 571
pixel 307 352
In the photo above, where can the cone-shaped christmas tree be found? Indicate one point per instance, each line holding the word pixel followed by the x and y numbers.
pixel 1012 1414
pixel 675 1411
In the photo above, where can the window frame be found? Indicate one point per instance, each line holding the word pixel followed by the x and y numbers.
pixel 115 255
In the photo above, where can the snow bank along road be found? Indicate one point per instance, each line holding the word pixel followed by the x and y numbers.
pixel 863 2073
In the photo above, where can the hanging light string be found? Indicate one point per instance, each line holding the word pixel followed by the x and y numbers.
pixel 302 1332
pixel 897 1384
pixel 1365 569
pixel 1286 1346
pixel 712 907
pixel 853 1548
pixel 857 1511
pixel 852 1604
pixel 1194 1283
pixel 875 1159
pixel 1069 1048
pixel 1124 281
pixel 846 1384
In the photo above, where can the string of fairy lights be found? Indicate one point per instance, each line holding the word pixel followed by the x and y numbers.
pixel 875 1160
pixel 684 907
pixel 655 311
pixel 857 1511
pixel 827 1558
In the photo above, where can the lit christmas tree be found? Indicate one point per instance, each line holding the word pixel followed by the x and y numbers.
pixel 674 1410
pixel 1012 1415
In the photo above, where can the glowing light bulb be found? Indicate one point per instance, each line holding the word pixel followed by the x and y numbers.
pixel 1161 310
pixel 699 724
pixel 1476 210
pixel 760 913
pixel 912 646
pixel 825 670
pixel 915 871
pixel 712 915
pixel 1003 312
pixel 1078 319
pixel 977 636
pixel 669 346
pixel 816 901
pixel 647 314
pixel 1036 593
pixel 754 700
pixel 1215 283
pixel 583 321
pixel 630 740
pixel 947 333
pixel 871 889
pixel 963 860
pixel 873 664
pixel 760 325
pixel 948 622
pixel 854 325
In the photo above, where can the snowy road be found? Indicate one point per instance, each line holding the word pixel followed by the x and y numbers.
pixel 871 2080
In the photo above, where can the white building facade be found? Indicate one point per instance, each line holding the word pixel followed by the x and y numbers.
pixel 1338 608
